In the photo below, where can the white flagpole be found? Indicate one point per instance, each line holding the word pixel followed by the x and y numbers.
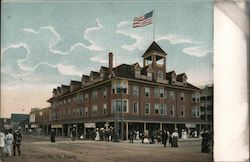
pixel 154 24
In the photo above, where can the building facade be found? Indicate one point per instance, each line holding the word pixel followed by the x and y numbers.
pixel 128 97
pixel 207 105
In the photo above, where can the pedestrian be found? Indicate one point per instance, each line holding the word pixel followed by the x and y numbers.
pixel 174 140
pixel 131 136
pixel 2 144
pixel 164 138
pixel 205 147
pixel 9 142
pixel 53 136
pixel 17 142
pixel 73 134
pixel 97 135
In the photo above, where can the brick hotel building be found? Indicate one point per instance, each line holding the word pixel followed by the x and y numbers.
pixel 150 97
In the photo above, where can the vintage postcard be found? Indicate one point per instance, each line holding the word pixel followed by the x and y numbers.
pixel 107 80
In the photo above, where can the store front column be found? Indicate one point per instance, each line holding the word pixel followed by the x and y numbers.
pixel 175 126
pixel 63 131
pixel 160 126
pixel 145 127
pixel 127 131
pixel 68 130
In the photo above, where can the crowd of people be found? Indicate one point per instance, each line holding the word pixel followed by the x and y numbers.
pixel 9 143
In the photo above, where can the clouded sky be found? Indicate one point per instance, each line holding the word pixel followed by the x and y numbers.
pixel 48 43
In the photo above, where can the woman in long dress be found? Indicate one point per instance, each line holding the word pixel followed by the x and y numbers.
pixel 97 137
pixel 174 140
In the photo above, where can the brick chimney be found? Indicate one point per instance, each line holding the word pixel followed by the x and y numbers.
pixel 110 63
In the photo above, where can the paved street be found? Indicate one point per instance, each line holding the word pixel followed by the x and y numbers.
pixel 39 149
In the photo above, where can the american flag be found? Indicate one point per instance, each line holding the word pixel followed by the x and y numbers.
pixel 143 20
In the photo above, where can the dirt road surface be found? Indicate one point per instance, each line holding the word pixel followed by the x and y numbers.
pixel 40 149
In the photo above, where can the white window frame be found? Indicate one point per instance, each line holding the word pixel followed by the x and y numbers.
pixel 147 90
pixel 105 109
pixel 160 75
pixel 136 106
pixel 156 92
pixel 164 108
pixel 162 92
pixel 172 95
pixel 198 111
pixel 137 74
pixel 117 102
pixel 94 109
pixel 135 90
pixel 193 111
pixel 105 92
pixel 157 107
pixel 147 103
pixel 172 108
pixel 150 76
pixel 182 110
pixel 182 96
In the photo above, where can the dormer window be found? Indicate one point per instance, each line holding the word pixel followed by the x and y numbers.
pixel 160 75
pixel 137 73
pixel 149 76
pixel 101 74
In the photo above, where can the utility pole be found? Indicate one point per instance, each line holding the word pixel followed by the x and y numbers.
pixel 121 115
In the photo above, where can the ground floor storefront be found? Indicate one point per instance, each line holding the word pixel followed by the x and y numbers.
pixel 85 129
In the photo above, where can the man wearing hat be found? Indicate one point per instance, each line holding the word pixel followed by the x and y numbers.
pixel 2 144
pixel 17 142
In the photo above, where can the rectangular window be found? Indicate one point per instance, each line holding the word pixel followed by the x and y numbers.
pixel 193 111
pixel 94 95
pixel 119 87
pixel 137 73
pixel 163 109
pixel 104 92
pixel 182 97
pixel 156 109
pixel 172 95
pixel 117 105
pixel 147 92
pixel 156 92
pixel 197 97
pixel 161 93
pixel 113 88
pixel 135 91
pixel 94 110
pixel 193 97
pixel 182 111
pixel 147 108
pixel 80 111
pixel 149 76
pixel 166 94
pixel 197 111
pixel 160 75
pixel 86 97
pixel 105 110
pixel 135 107
pixel 172 110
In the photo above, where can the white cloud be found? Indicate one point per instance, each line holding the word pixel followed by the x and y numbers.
pixel 123 24
pixel 137 37
pixel 197 51
pixel 99 59
pixel 177 39
pixel 3 50
pixel 68 69
pixel 87 33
